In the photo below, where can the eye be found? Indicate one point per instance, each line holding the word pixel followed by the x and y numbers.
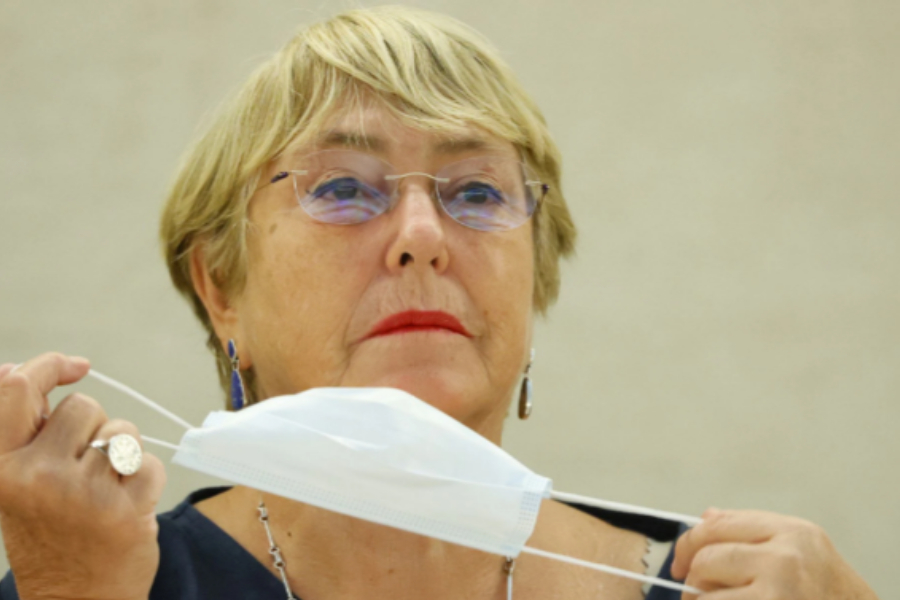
pixel 479 193
pixel 345 200
pixel 343 189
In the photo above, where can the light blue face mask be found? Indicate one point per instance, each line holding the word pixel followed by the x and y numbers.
pixel 383 455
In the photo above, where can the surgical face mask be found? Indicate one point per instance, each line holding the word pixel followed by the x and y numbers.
pixel 382 455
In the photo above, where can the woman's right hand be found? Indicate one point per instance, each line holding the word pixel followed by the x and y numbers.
pixel 72 526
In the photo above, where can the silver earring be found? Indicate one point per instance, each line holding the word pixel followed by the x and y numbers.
pixel 525 401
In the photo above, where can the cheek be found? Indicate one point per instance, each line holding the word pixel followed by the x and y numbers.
pixel 506 271
pixel 298 264
pixel 301 288
pixel 499 275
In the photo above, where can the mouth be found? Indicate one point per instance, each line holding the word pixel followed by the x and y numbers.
pixel 417 320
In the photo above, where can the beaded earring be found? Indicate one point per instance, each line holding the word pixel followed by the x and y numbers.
pixel 237 384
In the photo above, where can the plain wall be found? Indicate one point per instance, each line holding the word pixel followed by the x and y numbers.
pixel 729 332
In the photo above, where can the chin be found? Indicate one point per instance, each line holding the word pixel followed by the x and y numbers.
pixel 447 391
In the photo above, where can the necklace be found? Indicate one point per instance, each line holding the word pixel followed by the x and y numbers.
pixel 274 550
pixel 278 560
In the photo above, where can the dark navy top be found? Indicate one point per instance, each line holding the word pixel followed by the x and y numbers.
pixel 199 561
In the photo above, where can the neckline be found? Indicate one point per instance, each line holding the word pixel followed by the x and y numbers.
pixel 651 527
pixel 207 533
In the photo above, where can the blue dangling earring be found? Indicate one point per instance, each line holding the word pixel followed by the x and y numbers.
pixel 237 384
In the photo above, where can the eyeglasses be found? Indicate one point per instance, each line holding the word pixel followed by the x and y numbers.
pixel 346 187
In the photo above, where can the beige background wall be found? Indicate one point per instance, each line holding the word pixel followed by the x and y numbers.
pixel 729 334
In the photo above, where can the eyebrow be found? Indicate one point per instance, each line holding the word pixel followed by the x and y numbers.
pixel 359 141
pixel 353 140
pixel 459 145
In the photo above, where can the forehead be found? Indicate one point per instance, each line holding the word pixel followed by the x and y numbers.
pixel 374 129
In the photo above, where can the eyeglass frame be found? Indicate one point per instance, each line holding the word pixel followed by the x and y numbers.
pixel 544 188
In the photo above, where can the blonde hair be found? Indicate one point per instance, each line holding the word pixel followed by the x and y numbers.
pixel 431 71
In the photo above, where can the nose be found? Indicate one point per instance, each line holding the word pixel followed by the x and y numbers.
pixel 420 239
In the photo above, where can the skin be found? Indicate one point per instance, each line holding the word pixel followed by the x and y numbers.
pixel 748 554
pixel 314 290
pixel 69 520
pixel 74 529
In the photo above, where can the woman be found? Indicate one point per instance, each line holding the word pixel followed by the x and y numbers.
pixel 379 206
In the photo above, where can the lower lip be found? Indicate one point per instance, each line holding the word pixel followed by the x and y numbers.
pixel 413 329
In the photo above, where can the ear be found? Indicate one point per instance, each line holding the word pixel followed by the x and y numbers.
pixel 222 312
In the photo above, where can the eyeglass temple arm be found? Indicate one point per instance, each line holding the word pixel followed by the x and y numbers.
pixel 278 177
pixel 544 188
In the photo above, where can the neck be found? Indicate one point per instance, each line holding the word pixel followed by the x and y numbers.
pixel 335 556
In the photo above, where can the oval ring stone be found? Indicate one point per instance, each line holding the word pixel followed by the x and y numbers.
pixel 125 454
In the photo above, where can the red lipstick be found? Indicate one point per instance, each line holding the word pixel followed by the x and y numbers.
pixel 418 320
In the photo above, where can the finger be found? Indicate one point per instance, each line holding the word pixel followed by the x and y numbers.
pixel 726 565
pixel 747 526
pixel 6 368
pixel 20 409
pixel 23 395
pixel 744 593
pixel 96 460
pixel 53 369
pixel 146 486
pixel 68 430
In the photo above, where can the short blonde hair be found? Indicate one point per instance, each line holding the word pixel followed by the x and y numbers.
pixel 429 70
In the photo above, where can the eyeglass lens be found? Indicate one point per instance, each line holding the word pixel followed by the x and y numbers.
pixel 347 187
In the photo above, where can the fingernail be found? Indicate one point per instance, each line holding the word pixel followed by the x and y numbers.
pixel 710 512
pixel 79 359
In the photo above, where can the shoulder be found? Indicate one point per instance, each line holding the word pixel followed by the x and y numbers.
pixel 662 530
pixel 634 542
pixel 8 587
pixel 181 552
pixel 200 560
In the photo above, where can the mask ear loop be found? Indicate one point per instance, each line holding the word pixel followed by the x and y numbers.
pixel 510 565
pixel 147 402
pixel 613 571
pixel 629 508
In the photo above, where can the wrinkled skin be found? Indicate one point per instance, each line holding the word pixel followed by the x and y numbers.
pixel 756 555
pixel 73 528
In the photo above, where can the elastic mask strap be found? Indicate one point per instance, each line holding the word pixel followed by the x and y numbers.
pixel 613 570
pixel 147 402
pixel 629 508
pixel 619 507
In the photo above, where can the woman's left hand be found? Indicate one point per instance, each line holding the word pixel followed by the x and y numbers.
pixel 755 555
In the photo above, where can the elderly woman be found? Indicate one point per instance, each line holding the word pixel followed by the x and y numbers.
pixel 379 206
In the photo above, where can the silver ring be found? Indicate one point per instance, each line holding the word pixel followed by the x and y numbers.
pixel 124 453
